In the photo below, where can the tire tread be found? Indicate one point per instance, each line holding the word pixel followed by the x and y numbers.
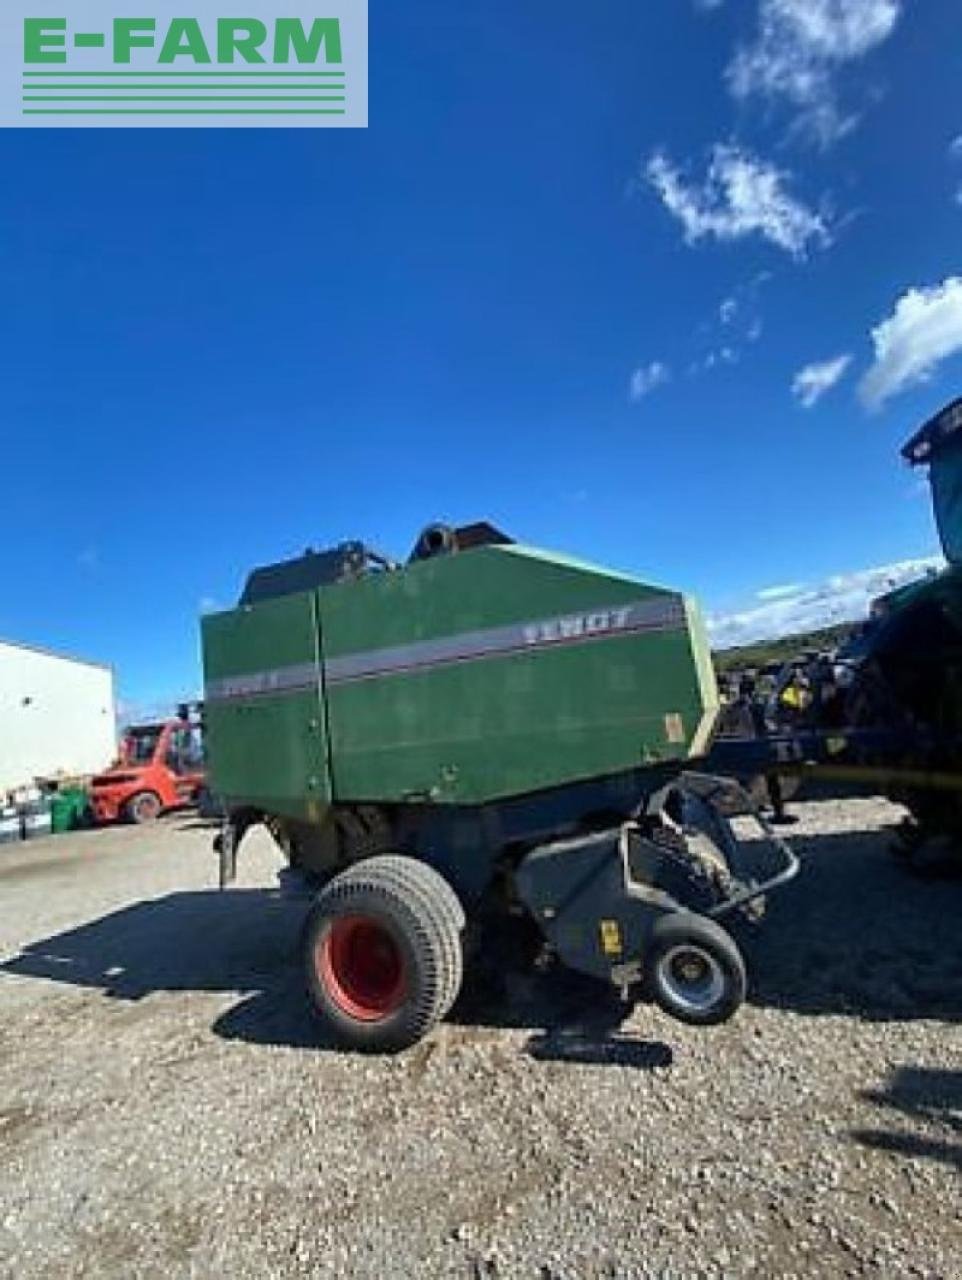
pixel 423 905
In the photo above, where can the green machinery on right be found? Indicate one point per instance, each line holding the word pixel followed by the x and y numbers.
pixel 885 711
pixel 484 728
pixel 908 663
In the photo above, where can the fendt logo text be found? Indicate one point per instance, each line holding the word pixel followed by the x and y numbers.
pixel 95 67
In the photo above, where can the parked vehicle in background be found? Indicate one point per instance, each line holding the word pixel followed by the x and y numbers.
pixel 160 767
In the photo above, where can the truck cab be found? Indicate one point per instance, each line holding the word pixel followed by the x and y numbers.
pixel 160 767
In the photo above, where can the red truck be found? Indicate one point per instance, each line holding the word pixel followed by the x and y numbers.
pixel 161 766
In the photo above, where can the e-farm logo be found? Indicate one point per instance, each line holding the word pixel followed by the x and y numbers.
pixel 91 66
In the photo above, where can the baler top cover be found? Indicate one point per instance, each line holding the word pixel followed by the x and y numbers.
pixel 312 569
pixel 354 559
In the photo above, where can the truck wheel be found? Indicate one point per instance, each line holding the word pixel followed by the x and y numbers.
pixel 694 970
pixel 144 807
pixel 383 953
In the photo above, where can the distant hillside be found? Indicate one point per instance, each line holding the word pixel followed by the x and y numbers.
pixel 757 655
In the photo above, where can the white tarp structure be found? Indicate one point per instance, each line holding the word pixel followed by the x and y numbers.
pixel 56 716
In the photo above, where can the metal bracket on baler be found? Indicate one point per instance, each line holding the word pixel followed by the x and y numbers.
pixel 225 844
pixel 701 795
pixel 594 906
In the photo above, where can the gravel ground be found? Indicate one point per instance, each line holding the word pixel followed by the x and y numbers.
pixel 167 1110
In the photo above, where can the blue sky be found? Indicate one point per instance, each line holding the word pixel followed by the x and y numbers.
pixel 566 280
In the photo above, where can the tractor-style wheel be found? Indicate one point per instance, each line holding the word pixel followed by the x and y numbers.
pixel 144 807
pixel 382 952
pixel 694 971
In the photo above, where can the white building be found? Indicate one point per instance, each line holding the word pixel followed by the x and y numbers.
pixel 56 715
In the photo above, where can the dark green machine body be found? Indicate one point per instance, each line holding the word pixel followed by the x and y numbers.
pixel 456 680
pixel 909 659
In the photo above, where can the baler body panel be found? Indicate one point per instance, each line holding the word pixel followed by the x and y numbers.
pixel 474 677
pixel 265 715
pixel 460 679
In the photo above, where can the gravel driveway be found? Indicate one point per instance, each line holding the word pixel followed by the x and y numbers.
pixel 166 1108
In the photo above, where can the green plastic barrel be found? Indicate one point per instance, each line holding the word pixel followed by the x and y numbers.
pixel 68 810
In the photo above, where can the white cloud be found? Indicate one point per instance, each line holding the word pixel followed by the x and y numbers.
pixel 714 359
pixel 845 597
pixel 781 592
pixel 735 326
pixel 645 379
pixel 955 147
pixel 812 382
pixel 798 51
pixel 924 329
pixel 741 196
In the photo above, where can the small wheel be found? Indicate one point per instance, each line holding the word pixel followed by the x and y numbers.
pixel 144 807
pixel 694 971
pixel 382 953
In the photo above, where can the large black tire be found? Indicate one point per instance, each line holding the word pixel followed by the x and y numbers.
pixel 437 895
pixel 694 970
pixel 143 808
pixel 382 953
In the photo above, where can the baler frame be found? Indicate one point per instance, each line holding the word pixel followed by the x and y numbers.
pixel 603 898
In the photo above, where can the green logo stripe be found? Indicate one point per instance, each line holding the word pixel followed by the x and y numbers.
pixel 212 94
pixel 75 87
pixel 180 111
pixel 168 97
pixel 266 75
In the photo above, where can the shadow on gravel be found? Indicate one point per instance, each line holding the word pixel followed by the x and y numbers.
pixel 584 1050
pixel 932 1097
pixel 248 940
pixel 562 1031
pixel 855 933
pixel 574 1019
pixel 195 941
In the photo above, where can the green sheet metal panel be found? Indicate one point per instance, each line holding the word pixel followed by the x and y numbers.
pixel 265 724
pixel 505 670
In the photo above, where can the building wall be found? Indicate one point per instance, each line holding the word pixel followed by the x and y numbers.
pixel 56 716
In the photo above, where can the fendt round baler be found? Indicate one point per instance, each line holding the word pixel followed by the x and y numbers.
pixel 485 726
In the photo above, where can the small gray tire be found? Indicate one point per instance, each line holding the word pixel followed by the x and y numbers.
pixel 694 970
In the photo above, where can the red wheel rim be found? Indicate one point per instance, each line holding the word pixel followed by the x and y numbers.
pixel 361 968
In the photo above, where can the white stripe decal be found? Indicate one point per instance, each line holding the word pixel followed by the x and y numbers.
pixel 659 613
pixel 281 680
